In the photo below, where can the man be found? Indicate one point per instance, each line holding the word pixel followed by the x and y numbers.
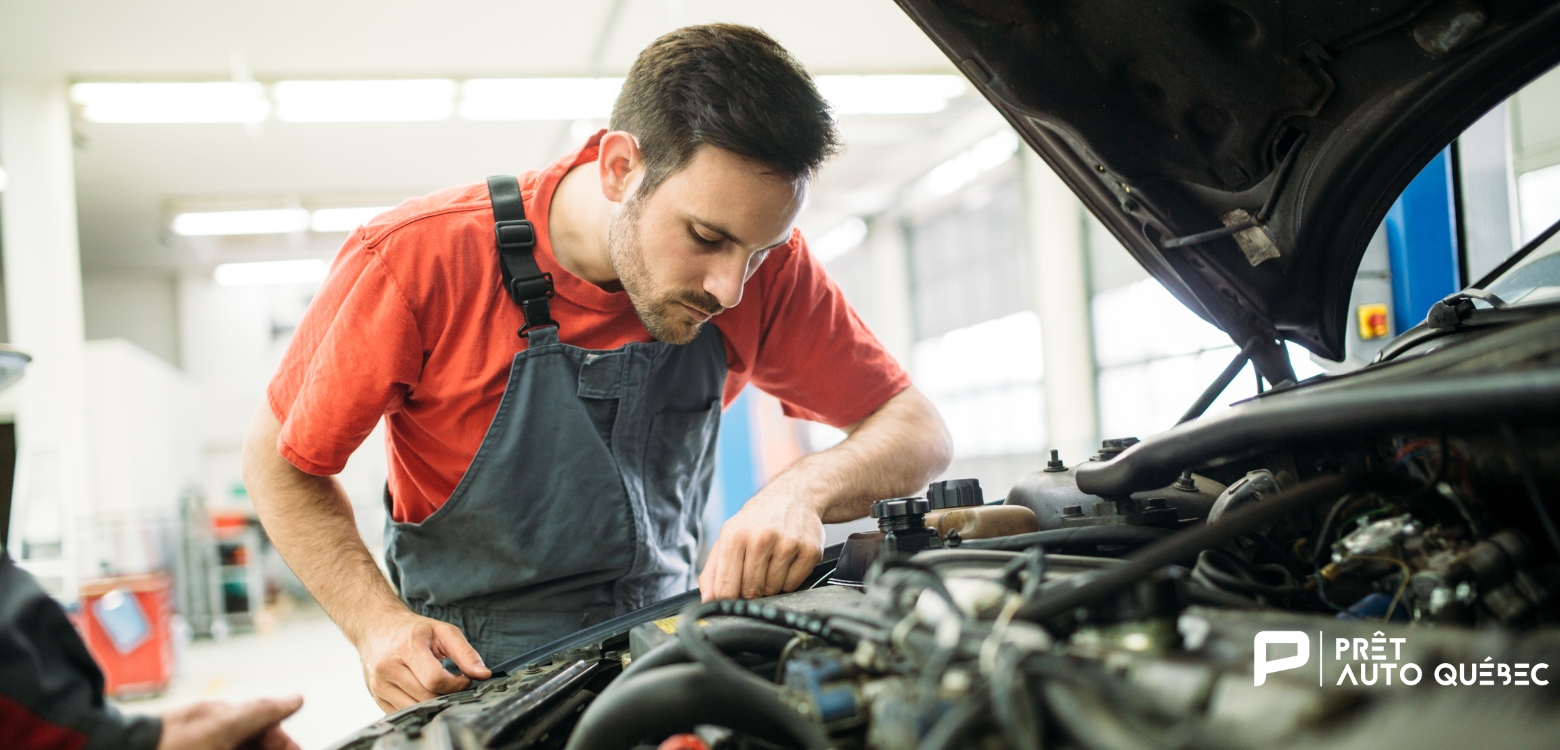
pixel 546 481
pixel 51 691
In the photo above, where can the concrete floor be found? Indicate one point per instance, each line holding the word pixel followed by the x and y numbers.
pixel 299 652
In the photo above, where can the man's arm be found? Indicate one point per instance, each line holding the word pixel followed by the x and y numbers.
pixel 775 540
pixel 309 519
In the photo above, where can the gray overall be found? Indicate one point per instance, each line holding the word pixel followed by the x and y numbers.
pixel 584 500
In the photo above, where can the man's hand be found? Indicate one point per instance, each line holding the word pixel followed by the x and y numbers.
pixel 774 542
pixel 220 726
pixel 767 547
pixel 401 660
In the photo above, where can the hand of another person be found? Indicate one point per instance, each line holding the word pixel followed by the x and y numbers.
pixel 769 546
pixel 221 726
pixel 401 656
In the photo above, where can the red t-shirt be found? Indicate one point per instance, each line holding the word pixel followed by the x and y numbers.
pixel 413 325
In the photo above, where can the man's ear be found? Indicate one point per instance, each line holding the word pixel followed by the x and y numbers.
pixel 619 165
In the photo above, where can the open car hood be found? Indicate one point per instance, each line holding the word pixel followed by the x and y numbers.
pixel 1170 119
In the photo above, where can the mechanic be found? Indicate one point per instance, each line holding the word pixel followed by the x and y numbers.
pixel 51 691
pixel 546 481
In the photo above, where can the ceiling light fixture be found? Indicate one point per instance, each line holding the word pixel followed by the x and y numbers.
pixel 539 98
pixel 343 219
pixel 171 102
pixel 415 100
pixel 889 94
pixel 967 166
pixel 213 223
pixel 307 271
pixel 843 238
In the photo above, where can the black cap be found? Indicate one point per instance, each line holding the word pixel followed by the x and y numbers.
pixel 901 507
pixel 954 493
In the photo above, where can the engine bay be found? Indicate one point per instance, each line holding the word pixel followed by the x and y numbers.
pixel 1326 566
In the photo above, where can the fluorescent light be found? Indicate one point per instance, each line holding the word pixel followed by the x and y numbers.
pixel 274 221
pixel 271 272
pixel 539 98
pixel 171 102
pixel 889 94
pixel 415 100
pixel 4 179
pixel 967 166
pixel 839 240
pixel 343 219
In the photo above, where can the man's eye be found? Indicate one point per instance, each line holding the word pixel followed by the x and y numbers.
pixel 707 240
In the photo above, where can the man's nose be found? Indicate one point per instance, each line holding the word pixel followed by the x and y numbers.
pixel 724 279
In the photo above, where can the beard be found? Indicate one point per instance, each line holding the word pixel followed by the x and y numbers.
pixel 661 311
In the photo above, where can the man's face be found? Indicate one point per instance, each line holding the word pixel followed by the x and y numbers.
pixel 683 252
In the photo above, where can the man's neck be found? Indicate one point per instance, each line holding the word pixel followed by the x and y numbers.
pixel 577 224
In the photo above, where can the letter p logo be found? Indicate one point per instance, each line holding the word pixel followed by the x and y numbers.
pixel 1261 667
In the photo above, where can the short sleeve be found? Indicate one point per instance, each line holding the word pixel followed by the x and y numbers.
pixel 355 356
pixel 815 353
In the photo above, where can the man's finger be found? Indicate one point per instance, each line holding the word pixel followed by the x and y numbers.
pixel 806 559
pixel 432 676
pixel 401 676
pixel 249 719
pixel 730 575
pixel 391 696
pixel 755 565
pixel 779 567
pixel 273 738
pixel 711 568
pixel 450 643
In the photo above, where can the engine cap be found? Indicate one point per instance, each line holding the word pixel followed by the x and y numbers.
pixel 954 493
pixel 899 507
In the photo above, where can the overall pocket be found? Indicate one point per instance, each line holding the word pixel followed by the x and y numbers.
pixel 679 465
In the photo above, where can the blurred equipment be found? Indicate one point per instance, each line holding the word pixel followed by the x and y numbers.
pixel 125 621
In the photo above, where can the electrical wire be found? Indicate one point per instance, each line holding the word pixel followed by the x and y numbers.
pixel 1402 587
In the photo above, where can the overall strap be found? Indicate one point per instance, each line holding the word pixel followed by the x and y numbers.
pixel 523 279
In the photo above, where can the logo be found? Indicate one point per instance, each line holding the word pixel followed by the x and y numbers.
pixel 1379 659
pixel 1264 667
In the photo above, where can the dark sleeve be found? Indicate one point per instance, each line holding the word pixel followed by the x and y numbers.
pixel 51 691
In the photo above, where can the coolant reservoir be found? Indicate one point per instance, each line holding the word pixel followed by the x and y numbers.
pixel 957 505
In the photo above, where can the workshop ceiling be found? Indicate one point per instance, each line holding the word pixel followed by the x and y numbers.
pixel 128 175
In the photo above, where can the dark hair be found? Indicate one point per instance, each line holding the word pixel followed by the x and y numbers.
pixel 728 86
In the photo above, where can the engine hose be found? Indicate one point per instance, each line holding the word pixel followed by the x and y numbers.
pixel 677 698
pixel 1212 565
pixel 725 673
pixel 1011 702
pixel 955 726
pixel 1090 719
pixel 1188 543
pixel 730 636
pixel 1083 536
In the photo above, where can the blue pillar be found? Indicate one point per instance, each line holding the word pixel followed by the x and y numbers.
pixel 736 456
pixel 1422 243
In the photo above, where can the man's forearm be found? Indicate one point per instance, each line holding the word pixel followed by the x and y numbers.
pixel 892 453
pixel 310 521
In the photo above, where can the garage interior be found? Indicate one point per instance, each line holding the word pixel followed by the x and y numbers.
pixel 178 176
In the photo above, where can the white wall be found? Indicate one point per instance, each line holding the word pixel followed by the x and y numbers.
pixel 144 453
pixel 140 308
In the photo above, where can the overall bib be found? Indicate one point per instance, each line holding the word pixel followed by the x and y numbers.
pixel 585 498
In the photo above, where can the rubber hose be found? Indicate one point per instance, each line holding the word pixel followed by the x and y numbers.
pixel 1210 564
pixel 724 673
pixel 676 698
pixel 1083 536
pixel 1089 719
pixel 1188 543
pixel 731 636
pixel 955 725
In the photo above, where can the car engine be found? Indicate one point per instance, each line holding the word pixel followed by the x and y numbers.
pixel 1368 561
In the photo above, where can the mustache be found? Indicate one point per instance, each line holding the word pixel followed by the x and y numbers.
pixel 701 301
